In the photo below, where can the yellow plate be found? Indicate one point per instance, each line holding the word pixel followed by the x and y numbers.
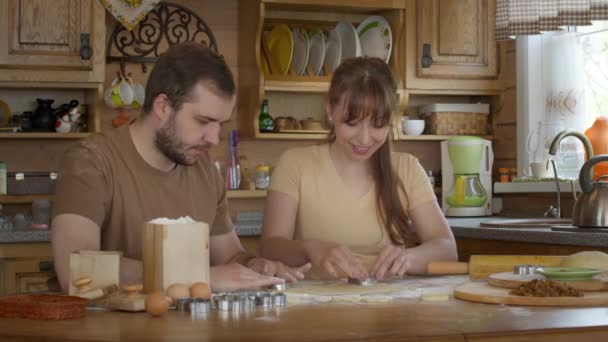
pixel 5 114
pixel 280 44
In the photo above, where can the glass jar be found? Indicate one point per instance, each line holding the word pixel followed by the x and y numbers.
pixel 3 178
pixel 503 175
pixel 262 177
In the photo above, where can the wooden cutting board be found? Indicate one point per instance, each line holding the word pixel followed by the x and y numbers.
pixel 509 280
pixel 481 292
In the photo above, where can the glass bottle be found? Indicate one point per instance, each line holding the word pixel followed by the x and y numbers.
pixel 3 178
pixel 266 123
pixel 262 177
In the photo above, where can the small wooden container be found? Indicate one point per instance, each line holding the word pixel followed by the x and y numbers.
pixel 175 253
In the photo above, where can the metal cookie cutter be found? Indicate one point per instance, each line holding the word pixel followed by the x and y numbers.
pixel 280 287
pixel 362 282
pixel 199 306
pixel 224 304
pixel 526 269
pixel 278 299
pixel 264 300
pixel 181 304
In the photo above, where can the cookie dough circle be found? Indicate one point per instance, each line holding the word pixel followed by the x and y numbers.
pixel 592 259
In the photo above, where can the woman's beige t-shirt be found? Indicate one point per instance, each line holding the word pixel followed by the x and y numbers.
pixel 328 210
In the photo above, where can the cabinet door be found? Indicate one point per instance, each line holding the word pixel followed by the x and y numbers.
pixel 52 35
pixel 25 275
pixel 459 38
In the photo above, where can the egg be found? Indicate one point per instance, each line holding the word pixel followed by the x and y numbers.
pixel 178 290
pixel 156 303
pixel 200 290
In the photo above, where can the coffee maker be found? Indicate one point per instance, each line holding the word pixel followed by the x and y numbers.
pixel 466 166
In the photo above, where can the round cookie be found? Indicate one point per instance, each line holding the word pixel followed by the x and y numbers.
pixel 592 259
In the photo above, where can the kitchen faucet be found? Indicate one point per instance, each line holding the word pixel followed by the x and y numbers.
pixel 556 212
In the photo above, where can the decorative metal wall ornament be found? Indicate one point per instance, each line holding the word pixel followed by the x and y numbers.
pixel 167 24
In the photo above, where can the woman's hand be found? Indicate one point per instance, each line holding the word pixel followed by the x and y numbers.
pixel 278 269
pixel 334 259
pixel 392 261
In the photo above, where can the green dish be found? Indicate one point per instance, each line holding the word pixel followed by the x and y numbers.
pixel 569 273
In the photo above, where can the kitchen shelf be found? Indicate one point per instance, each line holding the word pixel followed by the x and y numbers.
pixel 246 193
pixel 290 136
pixel 430 137
pixel 534 187
pixel 297 84
pixel 22 199
pixel 43 135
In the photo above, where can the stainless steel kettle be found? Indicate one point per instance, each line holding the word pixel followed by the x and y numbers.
pixel 591 207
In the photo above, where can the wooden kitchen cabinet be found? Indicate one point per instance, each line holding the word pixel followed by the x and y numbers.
pixel 25 267
pixel 25 275
pixel 294 95
pixel 52 41
pixel 450 45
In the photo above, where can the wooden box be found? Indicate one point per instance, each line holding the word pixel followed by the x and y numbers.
pixel 175 253
pixel 102 266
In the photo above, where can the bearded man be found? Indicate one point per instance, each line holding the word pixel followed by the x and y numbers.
pixel 158 165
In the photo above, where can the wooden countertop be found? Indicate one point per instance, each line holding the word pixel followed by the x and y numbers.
pixel 403 320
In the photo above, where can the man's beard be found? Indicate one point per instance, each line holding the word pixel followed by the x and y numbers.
pixel 169 144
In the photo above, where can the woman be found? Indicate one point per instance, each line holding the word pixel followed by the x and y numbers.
pixel 346 206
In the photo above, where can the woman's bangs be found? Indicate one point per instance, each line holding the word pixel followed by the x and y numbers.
pixel 368 99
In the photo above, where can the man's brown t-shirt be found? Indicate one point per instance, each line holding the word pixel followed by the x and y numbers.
pixel 106 180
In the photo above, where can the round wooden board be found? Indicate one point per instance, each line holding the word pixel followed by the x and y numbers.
pixel 509 280
pixel 481 292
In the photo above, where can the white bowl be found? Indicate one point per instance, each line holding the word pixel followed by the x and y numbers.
pixel 412 127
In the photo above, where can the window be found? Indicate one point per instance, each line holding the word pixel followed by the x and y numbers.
pixel 562 83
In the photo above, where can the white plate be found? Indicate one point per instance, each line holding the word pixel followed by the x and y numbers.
pixel 351 47
pixel 333 50
pixel 376 37
pixel 316 53
pixel 300 50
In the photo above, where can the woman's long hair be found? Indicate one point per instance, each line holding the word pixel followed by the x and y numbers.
pixel 365 86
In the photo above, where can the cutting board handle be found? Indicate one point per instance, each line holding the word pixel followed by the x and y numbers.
pixel 447 267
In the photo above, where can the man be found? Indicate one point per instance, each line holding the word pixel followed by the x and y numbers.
pixel 158 166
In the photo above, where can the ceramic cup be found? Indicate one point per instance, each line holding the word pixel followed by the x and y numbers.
pixel 539 170
pixel 412 127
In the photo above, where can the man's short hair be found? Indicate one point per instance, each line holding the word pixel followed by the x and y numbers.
pixel 181 68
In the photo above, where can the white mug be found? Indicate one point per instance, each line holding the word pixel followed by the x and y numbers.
pixel 541 170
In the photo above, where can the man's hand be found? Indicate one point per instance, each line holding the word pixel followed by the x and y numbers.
pixel 235 277
pixel 278 269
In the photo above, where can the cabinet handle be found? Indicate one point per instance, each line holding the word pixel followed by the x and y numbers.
pixel 85 46
pixel 427 60
pixel 45 266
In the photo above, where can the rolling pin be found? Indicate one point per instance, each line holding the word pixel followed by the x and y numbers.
pixel 482 266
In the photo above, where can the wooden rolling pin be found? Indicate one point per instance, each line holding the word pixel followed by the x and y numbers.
pixel 482 266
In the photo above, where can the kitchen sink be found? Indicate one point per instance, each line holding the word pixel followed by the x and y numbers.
pixel 525 223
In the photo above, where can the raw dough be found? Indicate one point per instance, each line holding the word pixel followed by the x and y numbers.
pixel 343 288
pixel 592 259
pixel 411 287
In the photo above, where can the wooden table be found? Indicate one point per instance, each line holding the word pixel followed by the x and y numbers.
pixel 403 320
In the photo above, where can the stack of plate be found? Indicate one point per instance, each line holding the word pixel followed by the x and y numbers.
pixel 308 52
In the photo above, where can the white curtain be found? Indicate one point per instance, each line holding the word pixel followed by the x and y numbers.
pixel 561 95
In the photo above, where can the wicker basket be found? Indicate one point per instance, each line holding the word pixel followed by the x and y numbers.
pixel 42 306
pixel 450 123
